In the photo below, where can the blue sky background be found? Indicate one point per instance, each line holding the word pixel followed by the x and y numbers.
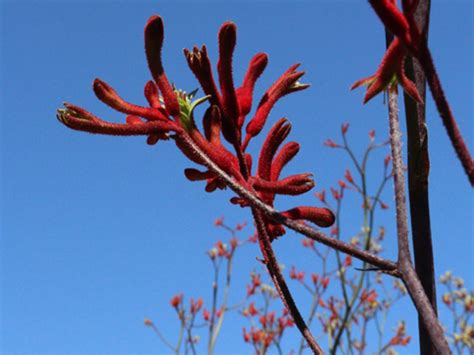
pixel 99 232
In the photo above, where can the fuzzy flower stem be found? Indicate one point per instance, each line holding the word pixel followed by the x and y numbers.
pixel 444 110
pixel 279 281
pixel 408 274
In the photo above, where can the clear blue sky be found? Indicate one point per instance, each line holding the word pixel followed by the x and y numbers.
pixel 99 232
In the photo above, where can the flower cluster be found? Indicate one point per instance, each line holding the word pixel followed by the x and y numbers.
pixel 266 327
pixel 460 303
pixel 392 68
pixel 170 114
pixel 270 329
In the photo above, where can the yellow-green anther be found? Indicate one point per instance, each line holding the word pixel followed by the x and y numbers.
pixel 187 106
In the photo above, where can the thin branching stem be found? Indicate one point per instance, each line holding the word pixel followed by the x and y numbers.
pixel 386 266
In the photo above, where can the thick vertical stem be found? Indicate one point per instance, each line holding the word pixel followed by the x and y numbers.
pixel 418 173
pixel 409 276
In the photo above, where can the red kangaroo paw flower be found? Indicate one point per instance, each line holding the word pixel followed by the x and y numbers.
pixel 292 185
pixel 196 175
pixel 79 119
pixel 245 92
pixel 215 183
pixel 154 34
pixel 390 72
pixel 275 137
pixel 198 62
pixel 285 85
pixel 212 125
pixel 151 94
pixel 286 153
pixel 109 96
pixel 322 217
pixel 230 106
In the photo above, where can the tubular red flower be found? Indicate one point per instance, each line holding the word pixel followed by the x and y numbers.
pixel 292 185
pixel 214 183
pixel 198 62
pixel 230 106
pixel 275 137
pixel 79 119
pixel 212 125
pixel 245 93
pixel 151 94
pixel 322 217
pixel 109 96
pixel 285 85
pixel 286 153
pixel 154 35
pixel 197 175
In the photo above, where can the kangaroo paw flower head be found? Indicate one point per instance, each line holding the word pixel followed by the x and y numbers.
pixel 390 73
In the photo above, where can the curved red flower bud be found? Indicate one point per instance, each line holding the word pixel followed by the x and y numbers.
pixel 245 93
pixel 215 183
pixel 230 106
pixel 292 185
pixel 322 217
pixel 212 125
pixel 79 119
pixel 154 35
pixel 109 96
pixel 151 94
pixel 286 84
pixel 275 137
pixel 197 175
pixel 286 153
